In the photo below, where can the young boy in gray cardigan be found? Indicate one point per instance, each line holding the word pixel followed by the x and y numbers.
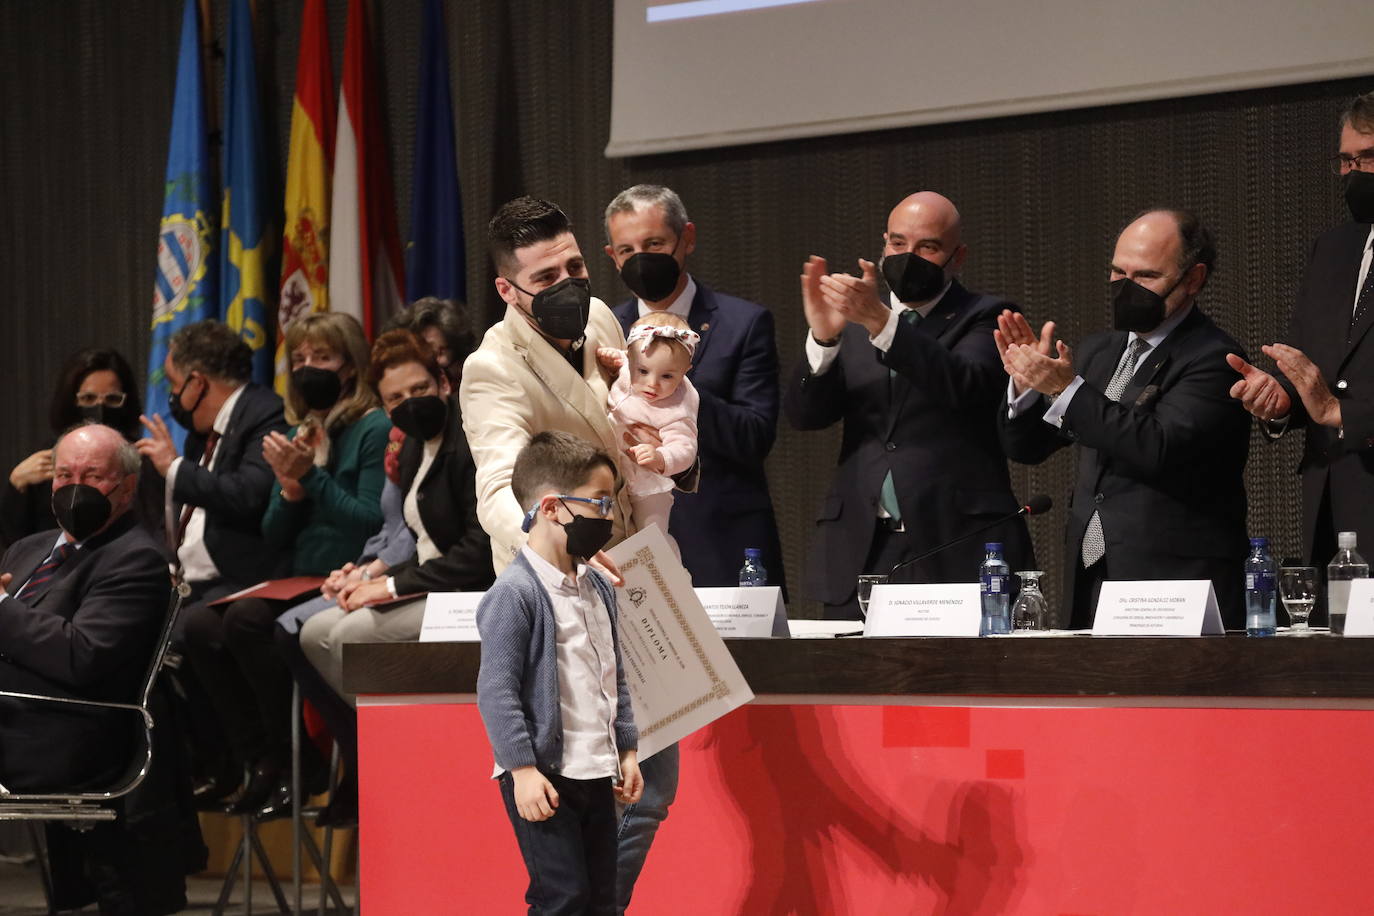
pixel 551 687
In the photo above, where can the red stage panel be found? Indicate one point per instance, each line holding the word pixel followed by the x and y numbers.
pixel 871 809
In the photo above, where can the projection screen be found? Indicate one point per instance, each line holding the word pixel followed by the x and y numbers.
pixel 690 74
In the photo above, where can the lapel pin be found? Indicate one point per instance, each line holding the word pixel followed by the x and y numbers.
pixel 706 326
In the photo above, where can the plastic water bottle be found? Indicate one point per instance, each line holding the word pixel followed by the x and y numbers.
pixel 995 577
pixel 752 572
pixel 1260 575
pixel 1346 565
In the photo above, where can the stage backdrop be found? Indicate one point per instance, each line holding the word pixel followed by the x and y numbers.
pixel 86 93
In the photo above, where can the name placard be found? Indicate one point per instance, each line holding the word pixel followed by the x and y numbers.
pixel 939 609
pixel 1359 616
pixel 450 617
pixel 1158 607
pixel 745 612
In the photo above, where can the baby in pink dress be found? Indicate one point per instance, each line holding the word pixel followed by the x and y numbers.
pixel 653 389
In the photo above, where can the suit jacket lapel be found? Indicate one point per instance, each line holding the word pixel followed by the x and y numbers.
pixel 701 317
pixel 1345 306
pixel 586 394
pixel 1158 358
pixel 937 324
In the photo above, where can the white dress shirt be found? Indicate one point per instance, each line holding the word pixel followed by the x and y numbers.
pixel 587 691
pixel 196 563
pixel 681 304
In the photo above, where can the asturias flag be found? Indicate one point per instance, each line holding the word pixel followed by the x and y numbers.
pixel 436 262
pixel 244 239
pixel 365 268
pixel 184 290
pixel 305 234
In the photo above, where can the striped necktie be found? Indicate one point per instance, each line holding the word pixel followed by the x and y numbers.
pixel 1094 538
pixel 43 573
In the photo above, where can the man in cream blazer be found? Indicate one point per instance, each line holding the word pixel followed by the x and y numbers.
pixel 522 381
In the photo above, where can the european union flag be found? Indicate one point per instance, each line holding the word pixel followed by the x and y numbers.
pixel 244 273
pixel 184 290
pixel 435 255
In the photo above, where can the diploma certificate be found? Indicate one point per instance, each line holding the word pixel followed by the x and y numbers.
pixel 680 674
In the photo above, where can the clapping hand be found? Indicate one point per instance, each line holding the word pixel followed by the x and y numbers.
pixel 1258 391
pixel 824 321
pixel 34 469
pixel 855 299
pixel 1013 330
pixel 1321 405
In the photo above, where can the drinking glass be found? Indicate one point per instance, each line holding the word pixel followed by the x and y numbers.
pixel 866 584
pixel 1031 611
pixel 1298 590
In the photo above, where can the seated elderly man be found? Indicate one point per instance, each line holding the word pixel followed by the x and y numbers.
pixel 81 608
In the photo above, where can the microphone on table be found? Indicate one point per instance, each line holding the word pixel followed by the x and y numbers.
pixel 1038 504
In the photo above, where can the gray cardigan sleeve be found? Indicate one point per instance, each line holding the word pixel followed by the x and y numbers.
pixel 503 621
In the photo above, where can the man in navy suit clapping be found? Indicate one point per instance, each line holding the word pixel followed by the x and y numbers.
pixel 735 371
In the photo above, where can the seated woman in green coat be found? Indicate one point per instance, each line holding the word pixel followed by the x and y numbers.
pixel 330 476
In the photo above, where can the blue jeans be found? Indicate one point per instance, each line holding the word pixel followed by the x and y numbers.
pixel 639 822
pixel 571 856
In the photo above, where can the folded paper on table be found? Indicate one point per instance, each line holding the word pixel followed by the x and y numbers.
pixel 276 590
pixel 746 612
pixel 451 617
pixel 681 676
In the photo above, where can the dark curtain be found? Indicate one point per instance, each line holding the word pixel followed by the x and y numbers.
pixel 87 89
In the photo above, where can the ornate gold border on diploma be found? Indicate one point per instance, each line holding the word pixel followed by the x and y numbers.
pixel 719 688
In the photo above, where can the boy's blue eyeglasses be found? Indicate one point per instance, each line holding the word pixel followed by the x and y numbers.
pixel 604 505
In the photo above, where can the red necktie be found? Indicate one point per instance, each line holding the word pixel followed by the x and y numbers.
pixel 42 574
pixel 210 442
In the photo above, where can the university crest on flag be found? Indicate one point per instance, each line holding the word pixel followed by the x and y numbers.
pixel 182 246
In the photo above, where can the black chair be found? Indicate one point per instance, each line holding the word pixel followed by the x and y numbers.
pixel 82 809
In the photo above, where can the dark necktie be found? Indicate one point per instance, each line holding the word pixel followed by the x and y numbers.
pixel 1362 302
pixel 1094 540
pixel 210 442
pixel 47 570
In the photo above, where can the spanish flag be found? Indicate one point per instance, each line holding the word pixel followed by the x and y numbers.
pixel 305 235
pixel 365 268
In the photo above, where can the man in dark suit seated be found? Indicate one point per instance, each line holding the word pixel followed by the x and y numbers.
pixel 82 608
pixel 1160 492
pixel 735 371
pixel 216 494
pixel 1326 362
pixel 916 380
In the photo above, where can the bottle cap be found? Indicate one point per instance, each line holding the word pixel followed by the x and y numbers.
pixel 753 553
pixel 1345 540
pixel 1259 542
pixel 993 545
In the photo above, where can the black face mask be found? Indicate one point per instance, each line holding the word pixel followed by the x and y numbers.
pixel 586 535
pixel 319 388
pixel 184 415
pixel 1137 308
pixel 912 278
pixel 1359 196
pixel 420 418
pixel 561 311
pixel 119 418
pixel 651 275
pixel 80 510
